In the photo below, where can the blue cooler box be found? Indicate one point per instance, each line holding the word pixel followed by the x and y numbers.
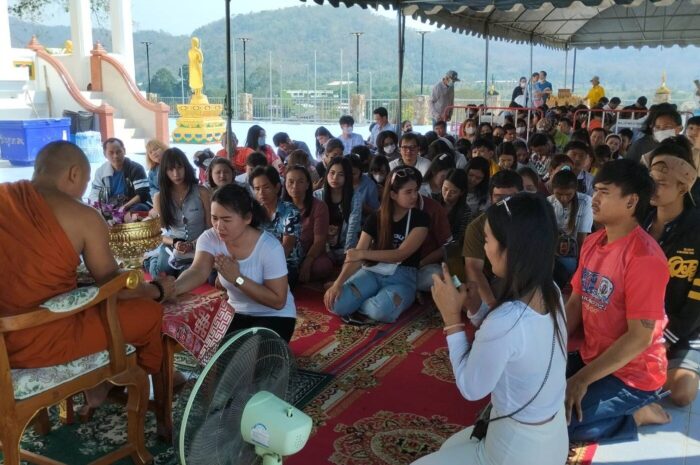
pixel 21 140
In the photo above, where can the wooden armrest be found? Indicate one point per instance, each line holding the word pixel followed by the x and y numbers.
pixel 39 316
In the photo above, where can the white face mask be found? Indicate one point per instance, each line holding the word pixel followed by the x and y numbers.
pixel 664 134
pixel 347 130
pixel 390 148
pixel 520 130
pixel 379 178
pixel 470 130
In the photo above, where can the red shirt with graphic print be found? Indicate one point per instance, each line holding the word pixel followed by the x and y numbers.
pixel 625 280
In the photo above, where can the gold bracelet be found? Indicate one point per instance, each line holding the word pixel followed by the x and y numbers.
pixel 457 325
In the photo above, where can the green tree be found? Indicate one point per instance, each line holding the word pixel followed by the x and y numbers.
pixel 34 9
pixel 165 84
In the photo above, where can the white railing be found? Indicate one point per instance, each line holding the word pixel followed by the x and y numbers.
pixel 315 110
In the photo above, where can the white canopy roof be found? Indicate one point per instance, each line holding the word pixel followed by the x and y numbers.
pixel 564 24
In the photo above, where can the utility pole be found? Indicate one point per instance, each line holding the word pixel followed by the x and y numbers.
pixel 422 51
pixel 148 64
pixel 244 40
pixel 357 61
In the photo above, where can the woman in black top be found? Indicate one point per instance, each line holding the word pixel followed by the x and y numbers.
pixel 390 241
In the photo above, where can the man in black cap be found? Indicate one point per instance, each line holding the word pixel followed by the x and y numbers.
pixel 443 96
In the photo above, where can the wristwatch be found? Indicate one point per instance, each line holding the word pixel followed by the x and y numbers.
pixel 239 281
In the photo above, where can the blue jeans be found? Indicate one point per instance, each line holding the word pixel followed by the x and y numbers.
pixel 607 408
pixel 382 298
pixel 159 264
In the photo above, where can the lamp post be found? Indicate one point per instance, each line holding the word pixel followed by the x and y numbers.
pixel 148 64
pixel 244 40
pixel 357 61
pixel 422 50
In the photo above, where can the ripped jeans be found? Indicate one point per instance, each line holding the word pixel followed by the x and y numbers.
pixel 382 298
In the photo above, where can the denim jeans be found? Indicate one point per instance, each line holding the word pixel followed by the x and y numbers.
pixel 564 269
pixel 159 264
pixel 607 408
pixel 382 298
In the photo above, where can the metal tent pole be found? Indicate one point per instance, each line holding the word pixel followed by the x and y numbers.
pixel 229 113
pixel 566 65
pixel 573 75
pixel 402 31
pixel 486 69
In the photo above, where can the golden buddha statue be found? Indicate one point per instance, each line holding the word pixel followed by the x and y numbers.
pixel 68 47
pixel 196 58
pixel 200 122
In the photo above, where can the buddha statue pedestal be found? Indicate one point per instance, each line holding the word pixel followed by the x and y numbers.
pixel 200 122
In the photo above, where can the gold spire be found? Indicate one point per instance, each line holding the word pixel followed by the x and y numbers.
pixel 663 89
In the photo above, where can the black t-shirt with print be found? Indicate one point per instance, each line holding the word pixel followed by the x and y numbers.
pixel 419 219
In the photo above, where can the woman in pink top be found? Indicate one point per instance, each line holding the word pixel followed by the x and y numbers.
pixel 298 189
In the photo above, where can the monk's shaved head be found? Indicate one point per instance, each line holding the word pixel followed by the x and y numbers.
pixel 55 158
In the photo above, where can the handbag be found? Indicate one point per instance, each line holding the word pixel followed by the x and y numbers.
pixel 388 269
pixel 481 426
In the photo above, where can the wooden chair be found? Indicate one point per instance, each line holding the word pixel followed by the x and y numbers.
pixel 21 401
pixel 164 389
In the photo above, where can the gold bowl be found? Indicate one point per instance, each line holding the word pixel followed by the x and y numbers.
pixel 129 241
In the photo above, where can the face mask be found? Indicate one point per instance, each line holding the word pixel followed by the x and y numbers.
pixel 470 131
pixel 450 83
pixel 347 130
pixel 379 178
pixel 261 141
pixel 523 84
pixel 389 148
pixel 664 134
pixel 520 130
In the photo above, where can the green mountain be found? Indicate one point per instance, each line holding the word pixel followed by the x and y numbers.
pixel 291 35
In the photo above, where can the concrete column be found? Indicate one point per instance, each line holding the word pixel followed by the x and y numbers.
pixel 421 110
pixel 78 63
pixel 81 27
pixel 123 33
pixel 245 107
pixel 5 43
pixel 358 104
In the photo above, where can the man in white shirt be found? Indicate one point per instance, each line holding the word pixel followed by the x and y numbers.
pixel 443 96
pixel 409 147
pixel 347 137
pixel 381 123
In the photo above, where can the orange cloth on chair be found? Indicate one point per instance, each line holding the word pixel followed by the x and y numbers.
pixel 37 262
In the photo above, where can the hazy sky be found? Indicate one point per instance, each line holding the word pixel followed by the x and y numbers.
pixel 148 14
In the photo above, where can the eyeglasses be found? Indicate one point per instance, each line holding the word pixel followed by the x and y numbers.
pixel 409 148
pixel 504 202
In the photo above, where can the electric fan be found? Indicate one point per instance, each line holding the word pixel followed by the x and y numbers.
pixel 236 410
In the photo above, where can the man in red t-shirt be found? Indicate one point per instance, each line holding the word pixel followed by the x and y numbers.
pixel 618 296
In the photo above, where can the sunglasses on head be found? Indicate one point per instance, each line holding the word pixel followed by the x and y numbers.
pixel 504 203
pixel 402 173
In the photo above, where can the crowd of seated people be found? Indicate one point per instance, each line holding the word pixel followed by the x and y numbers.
pixel 566 227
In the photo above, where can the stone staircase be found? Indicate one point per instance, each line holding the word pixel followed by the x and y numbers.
pixel 122 129
pixel 17 102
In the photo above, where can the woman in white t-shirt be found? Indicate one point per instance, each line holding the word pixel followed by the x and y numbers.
pixel 251 264
pixel 574 213
pixel 518 355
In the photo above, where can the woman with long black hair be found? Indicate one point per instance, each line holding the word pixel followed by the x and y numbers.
pixel 256 141
pixel 183 207
pixel 518 354
pixel 391 240
pixel 344 208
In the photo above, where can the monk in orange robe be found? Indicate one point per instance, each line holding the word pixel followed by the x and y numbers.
pixel 44 229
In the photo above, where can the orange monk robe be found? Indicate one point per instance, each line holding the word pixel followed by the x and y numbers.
pixel 37 262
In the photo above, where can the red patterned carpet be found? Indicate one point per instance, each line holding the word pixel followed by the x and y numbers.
pixel 393 398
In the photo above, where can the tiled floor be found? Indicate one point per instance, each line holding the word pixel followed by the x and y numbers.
pixel 677 443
